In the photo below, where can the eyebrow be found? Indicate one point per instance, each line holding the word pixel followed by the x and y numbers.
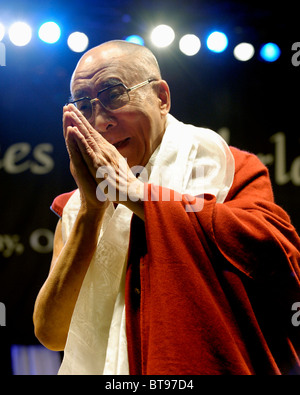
pixel 109 82
pixel 79 94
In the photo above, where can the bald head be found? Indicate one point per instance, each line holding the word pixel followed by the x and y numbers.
pixel 138 126
pixel 139 61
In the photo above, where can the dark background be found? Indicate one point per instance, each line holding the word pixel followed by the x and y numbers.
pixel 254 105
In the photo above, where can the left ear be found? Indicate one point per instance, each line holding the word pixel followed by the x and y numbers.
pixel 164 96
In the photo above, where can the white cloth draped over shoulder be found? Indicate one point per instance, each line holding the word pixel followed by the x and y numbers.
pixel 96 341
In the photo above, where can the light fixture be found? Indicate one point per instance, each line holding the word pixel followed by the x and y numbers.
pixel 244 52
pixel 20 34
pixel 49 32
pixel 270 52
pixel 217 42
pixel 162 36
pixel 190 44
pixel 135 39
pixel 78 42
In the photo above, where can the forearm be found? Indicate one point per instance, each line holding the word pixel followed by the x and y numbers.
pixel 56 301
pixel 135 198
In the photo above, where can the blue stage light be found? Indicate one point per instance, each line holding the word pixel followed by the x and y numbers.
pixel 49 32
pixel 135 39
pixel 270 52
pixel 217 42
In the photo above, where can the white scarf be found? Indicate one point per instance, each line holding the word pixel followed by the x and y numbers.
pixel 96 341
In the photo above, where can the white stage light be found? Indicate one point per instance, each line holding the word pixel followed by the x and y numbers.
pixel 78 42
pixel 49 32
pixel 243 52
pixel 2 31
pixel 190 44
pixel 20 34
pixel 162 36
pixel 217 42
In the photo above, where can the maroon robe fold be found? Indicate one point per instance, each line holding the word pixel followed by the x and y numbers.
pixel 211 292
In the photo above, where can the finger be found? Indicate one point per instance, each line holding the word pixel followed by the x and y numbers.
pixel 90 136
pixel 89 151
pixel 79 169
pixel 68 121
pixel 71 144
pixel 78 151
pixel 84 126
pixel 72 118
pixel 80 117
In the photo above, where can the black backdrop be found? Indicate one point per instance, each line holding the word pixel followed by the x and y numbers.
pixel 254 105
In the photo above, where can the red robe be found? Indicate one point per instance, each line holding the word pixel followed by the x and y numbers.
pixel 211 292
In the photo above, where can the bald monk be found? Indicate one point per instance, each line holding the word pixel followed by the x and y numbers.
pixel 171 257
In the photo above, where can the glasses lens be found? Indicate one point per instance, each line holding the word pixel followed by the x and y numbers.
pixel 85 107
pixel 114 97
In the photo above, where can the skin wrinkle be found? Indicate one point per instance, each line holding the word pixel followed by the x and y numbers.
pixel 123 62
pixel 147 67
pixel 143 120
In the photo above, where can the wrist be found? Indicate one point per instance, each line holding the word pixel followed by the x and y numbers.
pixel 135 198
pixel 136 191
pixel 92 214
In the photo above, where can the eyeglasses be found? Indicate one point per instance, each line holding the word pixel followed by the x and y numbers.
pixel 111 98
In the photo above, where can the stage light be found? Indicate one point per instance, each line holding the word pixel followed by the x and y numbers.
pixel 162 36
pixel 49 32
pixel 217 42
pixel 243 52
pixel 270 52
pixel 190 44
pixel 135 39
pixel 20 34
pixel 2 31
pixel 78 42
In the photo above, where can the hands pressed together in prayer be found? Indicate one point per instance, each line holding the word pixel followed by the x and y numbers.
pixel 98 168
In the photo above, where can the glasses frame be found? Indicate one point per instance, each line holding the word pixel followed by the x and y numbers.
pixel 96 99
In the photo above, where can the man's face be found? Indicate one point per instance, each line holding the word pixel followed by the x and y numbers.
pixel 137 128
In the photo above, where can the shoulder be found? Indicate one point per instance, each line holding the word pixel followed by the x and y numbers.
pixel 251 174
pixel 60 201
pixel 248 165
pixel 245 158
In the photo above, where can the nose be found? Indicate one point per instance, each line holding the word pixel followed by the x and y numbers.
pixel 101 121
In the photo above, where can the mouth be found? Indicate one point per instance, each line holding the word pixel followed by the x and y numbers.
pixel 122 143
